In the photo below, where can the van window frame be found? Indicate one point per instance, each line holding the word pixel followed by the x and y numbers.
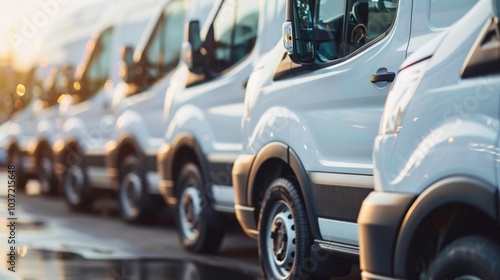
pixel 319 65
pixel 158 31
pixel 208 44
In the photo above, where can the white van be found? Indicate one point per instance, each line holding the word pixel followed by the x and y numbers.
pixel 34 130
pixel 434 212
pixel 87 116
pixel 140 128
pixel 310 120
pixel 203 107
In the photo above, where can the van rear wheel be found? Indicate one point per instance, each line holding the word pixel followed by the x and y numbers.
pixel 200 230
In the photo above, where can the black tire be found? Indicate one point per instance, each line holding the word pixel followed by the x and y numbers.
pixel 15 159
pixel 46 173
pixel 283 222
pixel 199 227
pixel 137 205
pixel 468 256
pixel 77 191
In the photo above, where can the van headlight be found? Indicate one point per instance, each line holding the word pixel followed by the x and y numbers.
pixel 400 96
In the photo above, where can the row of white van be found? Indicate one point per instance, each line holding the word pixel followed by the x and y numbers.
pixel 221 119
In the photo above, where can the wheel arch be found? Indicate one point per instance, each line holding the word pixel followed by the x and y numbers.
pixel 446 198
pixel 67 150
pixel 12 145
pixel 40 144
pixel 127 145
pixel 184 148
pixel 273 161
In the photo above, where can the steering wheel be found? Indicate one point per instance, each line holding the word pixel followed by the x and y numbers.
pixel 358 34
pixel 360 14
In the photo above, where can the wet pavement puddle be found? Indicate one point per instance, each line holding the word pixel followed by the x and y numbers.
pixel 51 265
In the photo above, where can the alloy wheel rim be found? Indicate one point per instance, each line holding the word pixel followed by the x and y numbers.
pixel 281 239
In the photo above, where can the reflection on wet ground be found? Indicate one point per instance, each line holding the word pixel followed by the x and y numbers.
pixel 56 244
pixel 68 266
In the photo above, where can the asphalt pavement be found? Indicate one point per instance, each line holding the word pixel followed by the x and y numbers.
pixel 54 243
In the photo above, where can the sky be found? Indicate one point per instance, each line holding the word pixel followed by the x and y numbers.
pixel 23 22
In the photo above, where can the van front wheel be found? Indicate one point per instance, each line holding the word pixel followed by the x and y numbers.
pixel 46 175
pixel 471 257
pixel 199 227
pixel 77 193
pixel 137 205
pixel 15 159
pixel 284 235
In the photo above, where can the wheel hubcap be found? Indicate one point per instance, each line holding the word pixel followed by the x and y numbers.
pixel 74 184
pixel 131 192
pixel 281 240
pixel 190 209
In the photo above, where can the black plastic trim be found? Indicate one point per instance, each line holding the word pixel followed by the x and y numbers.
pixel 113 153
pixel 307 193
pixel 281 151
pixel 240 178
pixel 379 221
pixel 388 77
pixel 484 58
pixel 167 160
pixel 95 160
pixel 459 189
pixel 338 202
pixel 220 173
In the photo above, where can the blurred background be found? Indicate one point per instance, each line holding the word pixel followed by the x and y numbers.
pixel 34 32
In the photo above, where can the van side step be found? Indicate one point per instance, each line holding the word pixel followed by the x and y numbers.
pixel 338 248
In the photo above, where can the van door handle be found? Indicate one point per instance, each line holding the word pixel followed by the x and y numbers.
pixel 387 77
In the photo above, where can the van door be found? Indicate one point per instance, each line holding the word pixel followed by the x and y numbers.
pixel 337 108
pixel 160 57
pixel 230 45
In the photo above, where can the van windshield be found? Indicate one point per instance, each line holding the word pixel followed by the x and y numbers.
pixel 56 85
pixel 97 70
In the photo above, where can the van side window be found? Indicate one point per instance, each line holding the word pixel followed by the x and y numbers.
pixel 162 54
pixel 234 33
pixel 445 13
pixel 347 25
pixel 55 86
pixel 97 72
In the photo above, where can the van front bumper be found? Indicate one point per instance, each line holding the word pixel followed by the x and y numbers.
pixel 111 161
pixel 379 221
pixel 166 184
pixel 245 211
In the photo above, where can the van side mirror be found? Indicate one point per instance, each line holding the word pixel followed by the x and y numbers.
pixel 127 71
pixel 69 76
pixel 496 8
pixel 192 49
pixel 298 31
